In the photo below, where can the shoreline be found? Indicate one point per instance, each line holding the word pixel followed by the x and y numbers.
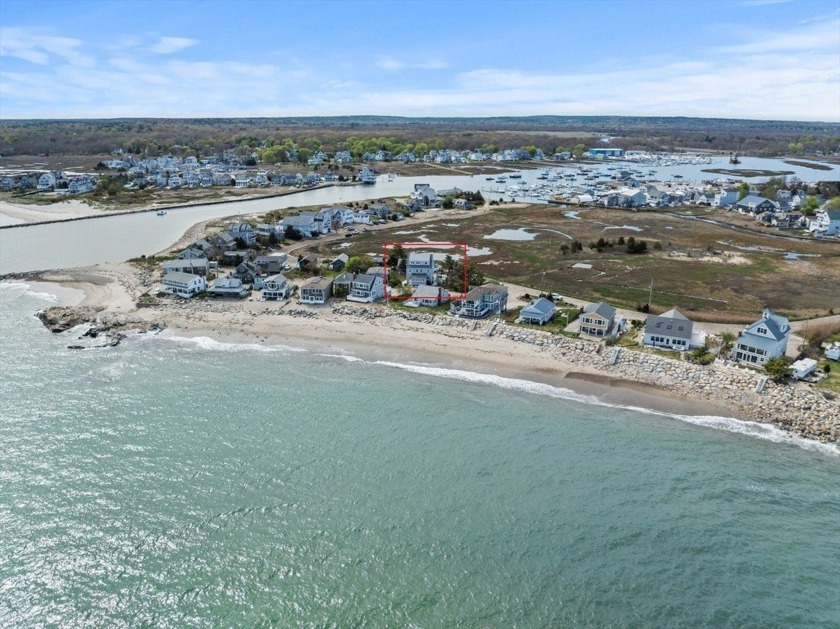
pixel 638 380
pixel 75 211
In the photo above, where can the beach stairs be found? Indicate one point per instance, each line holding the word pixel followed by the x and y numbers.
pixel 492 328
pixel 762 382
pixel 613 359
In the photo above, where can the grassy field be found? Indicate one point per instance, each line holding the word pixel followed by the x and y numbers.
pixel 709 271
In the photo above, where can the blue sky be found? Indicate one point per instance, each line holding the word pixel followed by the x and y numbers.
pixel 764 59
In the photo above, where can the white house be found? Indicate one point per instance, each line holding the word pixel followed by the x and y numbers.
pixel 193 266
pixel 365 288
pixel 228 287
pixel 765 339
pixel 825 223
pixel 727 196
pixel 367 176
pixel 304 223
pixel 276 287
pixel 832 352
pixel 242 230
pixel 46 182
pixel 671 330
pixel 538 312
pixel 183 284
pixel 429 296
pixel 420 268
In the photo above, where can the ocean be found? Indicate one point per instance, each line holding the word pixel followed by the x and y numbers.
pixel 174 482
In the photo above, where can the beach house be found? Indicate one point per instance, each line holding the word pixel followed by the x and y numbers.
pixel 242 231
pixel 429 296
pixel 228 287
pixel 183 284
pixel 365 288
pixel 671 330
pixel 538 312
pixel 276 287
pixel 194 266
pixel 420 269
pixel 481 302
pixel 765 339
pixel 825 223
pixel 598 320
pixel 316 290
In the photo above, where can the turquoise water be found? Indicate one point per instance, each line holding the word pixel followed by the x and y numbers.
pixel 168 483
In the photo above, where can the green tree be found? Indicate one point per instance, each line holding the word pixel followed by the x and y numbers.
pixel 579 150
pixel 810 205
pixel 778 368
pixel 359 264
pixel 743 190
pixel 397 257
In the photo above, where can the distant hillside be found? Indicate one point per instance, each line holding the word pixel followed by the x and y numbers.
pixel 211 135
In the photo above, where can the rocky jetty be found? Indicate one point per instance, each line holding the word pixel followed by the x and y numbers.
pixel 62 318
pixel 106 328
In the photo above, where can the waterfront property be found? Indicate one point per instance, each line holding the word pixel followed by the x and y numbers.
pixel 366 288
pixel 228 287
pixel 420 268
pixel 598 320
pixel 825 223
pixel 538 312
pixel 430 296
pixel 670 330
pixel 765 339
pixel 803 368
pixel 481 302
pixel 183 284
pixel 316 290
pixel 276 287
pixel 194 266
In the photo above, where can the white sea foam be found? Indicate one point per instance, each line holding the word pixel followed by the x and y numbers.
pixel 347 357
pixel 758 430
pixel 24 289
pixel 206 343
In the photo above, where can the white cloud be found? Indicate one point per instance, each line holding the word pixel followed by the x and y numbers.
pixel 791 73
pixel 389 63
pixel 39 47
pixel 168 45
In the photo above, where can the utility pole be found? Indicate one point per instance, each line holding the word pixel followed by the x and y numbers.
pixel 650 293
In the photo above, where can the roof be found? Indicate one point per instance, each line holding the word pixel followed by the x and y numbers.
pixel 672 323
pixel 367 280
pixel 776 324
pixel 180 278
pixel 318 282
pixel 279 278
pixel 421 258
pixel 344 278
pixel 756 340
pixel 376 270
pixel 480 291
pixel 541 306
pixel 753 199
pixel 423 291
pixel 601 309
pixel 673 313
pixel 342 257
pixel 227 282
pixel 177 264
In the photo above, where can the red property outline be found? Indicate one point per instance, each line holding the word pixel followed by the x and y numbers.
pixel 420 245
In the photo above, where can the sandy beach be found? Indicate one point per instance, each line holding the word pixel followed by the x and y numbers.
pixel 391 339
pixel 17 213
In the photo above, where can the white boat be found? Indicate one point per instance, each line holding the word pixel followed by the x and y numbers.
pixel 161 212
